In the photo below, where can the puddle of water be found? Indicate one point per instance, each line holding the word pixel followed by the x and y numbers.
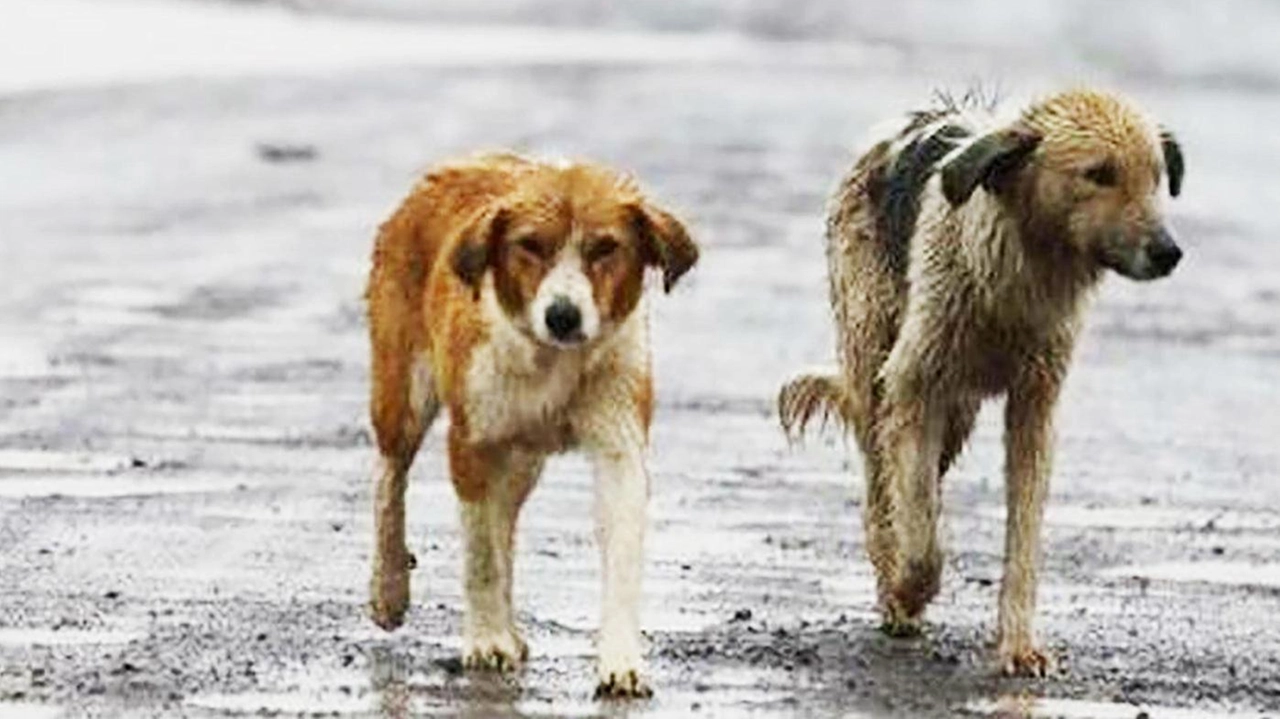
pixel 1141 517
pixel 109 305
pixel 121 295
pixel 757 698
pixel 23 637
pixel 1232 573
pixel 215 433
pixel 854 586
pixel 312 691
pixel 102 486
pixel 657 616
pixel 283 512
pixel 92 316
pixel 25 359
pixel 663 617
pixel 1031 708
pixel 28 710
pixel 328 703
pixel 540 647
pixel 52 460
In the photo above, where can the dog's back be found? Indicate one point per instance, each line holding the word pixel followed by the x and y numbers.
pixel 407 250
pixel 870 222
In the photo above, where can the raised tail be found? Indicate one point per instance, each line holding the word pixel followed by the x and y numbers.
pixel 809 396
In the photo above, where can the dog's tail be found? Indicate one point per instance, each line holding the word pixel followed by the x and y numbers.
pixel 809 396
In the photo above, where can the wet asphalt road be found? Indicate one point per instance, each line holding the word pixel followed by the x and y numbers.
pixel 185 464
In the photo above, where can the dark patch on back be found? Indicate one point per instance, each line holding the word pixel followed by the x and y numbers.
pixel 896 192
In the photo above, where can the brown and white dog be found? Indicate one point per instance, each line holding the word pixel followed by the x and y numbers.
pixel 962 249
pixel 510 291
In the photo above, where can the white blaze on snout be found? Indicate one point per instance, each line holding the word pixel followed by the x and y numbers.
pixel 565 281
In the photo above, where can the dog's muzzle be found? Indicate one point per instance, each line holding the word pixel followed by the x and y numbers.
pixel 564 321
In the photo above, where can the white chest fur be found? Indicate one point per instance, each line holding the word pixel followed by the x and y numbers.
pixel 518 388
pixel 512 391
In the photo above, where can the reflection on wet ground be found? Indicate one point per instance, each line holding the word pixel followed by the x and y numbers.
pixel 1035 708
pixel 184 464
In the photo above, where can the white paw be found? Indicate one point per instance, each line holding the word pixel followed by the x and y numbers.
pixel 621 672
pixel 497 650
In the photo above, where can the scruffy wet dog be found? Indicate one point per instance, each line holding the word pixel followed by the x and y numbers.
pixel 962 251
pixel 510 291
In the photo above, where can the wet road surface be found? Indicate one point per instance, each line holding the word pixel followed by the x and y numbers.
pixel 185 467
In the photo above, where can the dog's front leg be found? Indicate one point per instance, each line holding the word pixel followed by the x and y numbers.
pixel 616 441
pixel 491 484
pixel 1028 460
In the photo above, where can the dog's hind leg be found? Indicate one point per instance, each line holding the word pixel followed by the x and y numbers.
pixel 405 403
pixel 1028 459
pixel 912 446
pixel 882 541
pixel 901 618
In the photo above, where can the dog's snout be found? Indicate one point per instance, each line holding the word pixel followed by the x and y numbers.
pixel 564 320
pixel 1164 252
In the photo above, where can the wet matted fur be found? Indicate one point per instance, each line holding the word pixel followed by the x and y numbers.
pixel 961 252
pixel 509 292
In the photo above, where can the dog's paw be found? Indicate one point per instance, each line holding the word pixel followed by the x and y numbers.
pixel 499 651
pixel 389 597
pixel 621 673
pixel 626 684
pixel 896 622
pixel 1025 661
pixel 902 627
pixel 916 585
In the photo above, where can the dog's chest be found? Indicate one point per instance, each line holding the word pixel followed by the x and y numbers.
pixel 521 397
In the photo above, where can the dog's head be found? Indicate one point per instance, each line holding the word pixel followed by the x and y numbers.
pixel 568 249
pixel 1085 168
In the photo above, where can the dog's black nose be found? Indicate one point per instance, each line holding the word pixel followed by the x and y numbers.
pixel 564 320
pixel 1164 252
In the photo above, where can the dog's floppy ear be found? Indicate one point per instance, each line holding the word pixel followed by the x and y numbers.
pixel 985 161
pixel 474 251
pixel 1174 162
pixel 666 242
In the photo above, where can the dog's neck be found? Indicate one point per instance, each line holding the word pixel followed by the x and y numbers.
pixel 1017 263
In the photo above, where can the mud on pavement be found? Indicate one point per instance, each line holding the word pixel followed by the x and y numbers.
pixel 185 469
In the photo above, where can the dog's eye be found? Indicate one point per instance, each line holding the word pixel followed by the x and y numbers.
pixel 601 249
pixel 1102 175
pixel 531 246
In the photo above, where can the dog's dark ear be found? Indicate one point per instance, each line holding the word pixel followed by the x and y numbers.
pixel 1174 162
pixel 476 245
pixel 986 161
pixel 666 242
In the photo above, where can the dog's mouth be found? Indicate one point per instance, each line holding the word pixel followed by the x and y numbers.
pixel 572 340
pixel 1137 266
pixel 1154 258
